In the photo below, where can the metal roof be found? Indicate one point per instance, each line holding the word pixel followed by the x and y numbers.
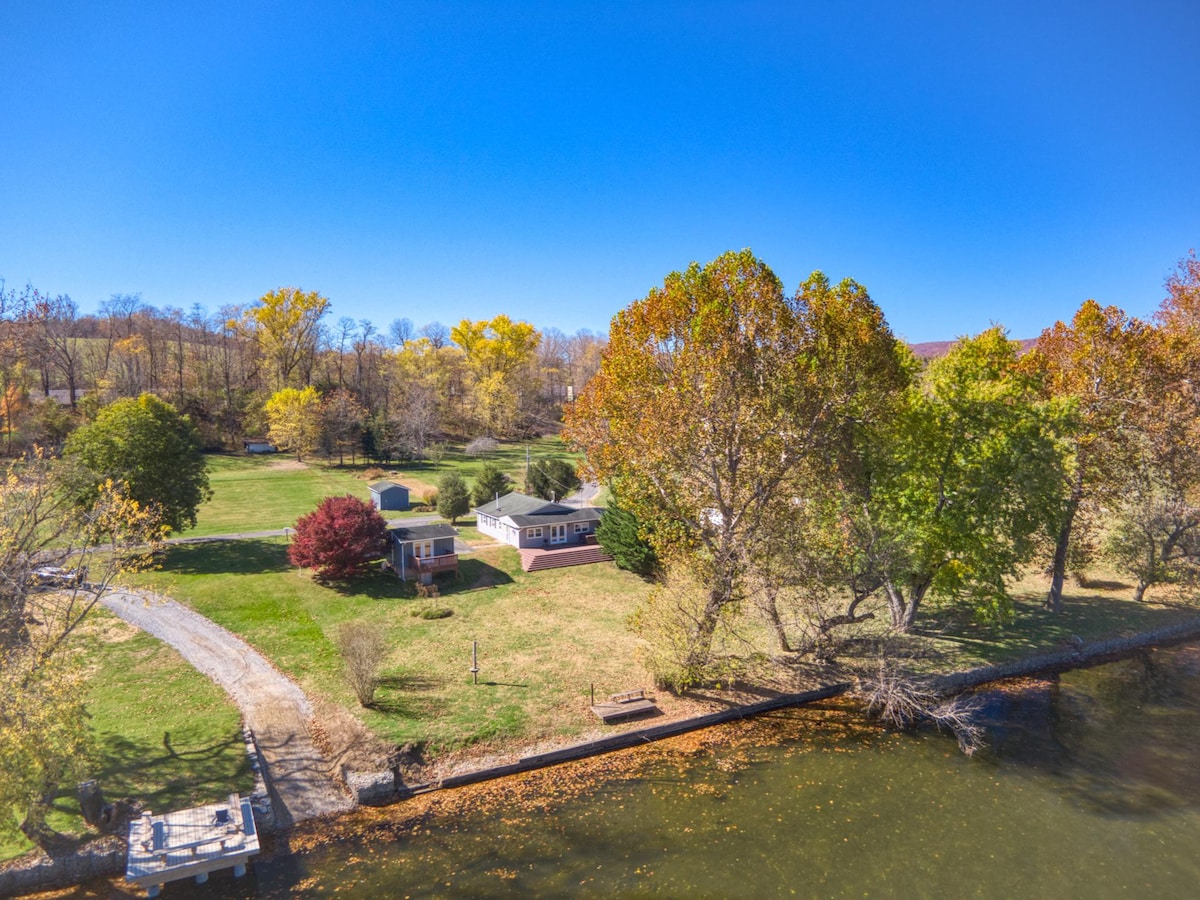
pixel 423 532
pixel 379 486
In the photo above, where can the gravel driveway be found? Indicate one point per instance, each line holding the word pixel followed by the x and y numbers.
pixel 272 705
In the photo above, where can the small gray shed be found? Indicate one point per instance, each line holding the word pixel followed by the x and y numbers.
pixel 389 495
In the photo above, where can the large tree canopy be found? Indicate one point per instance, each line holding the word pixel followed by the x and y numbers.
pixel 286 324
pixel 294 419
pixel 340 538
pixel 716 396
pixel 964 480
pixel 149 446
pixel 1098 364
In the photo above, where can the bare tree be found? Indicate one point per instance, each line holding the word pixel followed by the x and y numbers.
pixel 363 648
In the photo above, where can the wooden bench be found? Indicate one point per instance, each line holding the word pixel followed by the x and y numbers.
pixel 627 696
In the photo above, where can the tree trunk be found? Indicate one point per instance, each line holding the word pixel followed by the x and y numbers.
pixel 904 612
pixel 1139 592
pixel 897 606
pixel 771 608
pixel 1058 569
pixel 700 640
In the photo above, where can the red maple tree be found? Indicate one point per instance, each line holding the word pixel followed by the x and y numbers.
pixel 339 539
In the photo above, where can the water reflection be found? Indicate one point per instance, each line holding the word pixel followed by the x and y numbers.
pixel 1089 788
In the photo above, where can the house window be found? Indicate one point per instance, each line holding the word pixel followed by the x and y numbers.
pixel 423 549
pixel 581 527
pixel 535 532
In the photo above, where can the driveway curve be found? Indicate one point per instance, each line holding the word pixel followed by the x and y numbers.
pixel 272 705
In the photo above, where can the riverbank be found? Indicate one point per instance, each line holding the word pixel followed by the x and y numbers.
pixel 944 653
pixel 420 832
pixel 379 788
pixel 551 773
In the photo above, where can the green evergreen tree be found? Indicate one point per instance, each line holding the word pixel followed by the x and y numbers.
pixel 619 533
pixel 490 481
pixel 551 478
pixel 453 499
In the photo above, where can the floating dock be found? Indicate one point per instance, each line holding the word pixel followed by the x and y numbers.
pixel 191 843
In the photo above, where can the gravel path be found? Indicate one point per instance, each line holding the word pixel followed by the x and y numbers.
pixel 272 705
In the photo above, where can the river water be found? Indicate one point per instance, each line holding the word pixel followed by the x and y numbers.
pixel 1089 787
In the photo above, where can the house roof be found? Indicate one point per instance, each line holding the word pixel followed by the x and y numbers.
pixel 523 511
pixel 515 503
pixel 381 486
pixel 587 514
pixel 423 533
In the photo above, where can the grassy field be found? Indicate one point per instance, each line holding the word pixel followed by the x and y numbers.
pixel 270 492
pixel 165 734
pixel 543 638
pixel 1103 609
pixel 169 737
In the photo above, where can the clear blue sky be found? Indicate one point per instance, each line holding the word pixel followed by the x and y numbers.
pixel 967 162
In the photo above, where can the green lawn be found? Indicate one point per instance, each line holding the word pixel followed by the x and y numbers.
pixel 165 734
pixel 270 492
pixel 1103 609
pixel 544 638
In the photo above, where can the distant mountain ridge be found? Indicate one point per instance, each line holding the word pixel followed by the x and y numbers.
pixel 934 349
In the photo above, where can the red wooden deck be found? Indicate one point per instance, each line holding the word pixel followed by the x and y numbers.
pixel 535 559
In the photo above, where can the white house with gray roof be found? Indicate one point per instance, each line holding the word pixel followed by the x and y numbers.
pixel 528 522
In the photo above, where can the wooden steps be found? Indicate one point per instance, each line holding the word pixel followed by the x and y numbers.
pixel 535 560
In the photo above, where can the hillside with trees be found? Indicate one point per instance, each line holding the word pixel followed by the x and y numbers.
pixel 376 393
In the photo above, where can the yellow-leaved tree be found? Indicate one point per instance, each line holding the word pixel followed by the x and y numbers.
pixel 56 561
pixel 294 419
pixel 286 325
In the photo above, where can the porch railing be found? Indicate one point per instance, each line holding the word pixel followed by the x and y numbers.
pixel 438 563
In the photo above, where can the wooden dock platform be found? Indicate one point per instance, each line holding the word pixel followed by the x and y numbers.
pixel 191 843
pixel 625 705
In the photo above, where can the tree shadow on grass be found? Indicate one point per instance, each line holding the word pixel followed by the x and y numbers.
pixel 251 556
pixel 400 695
pixel 1085 615
pixel 172 775
pixel 474 575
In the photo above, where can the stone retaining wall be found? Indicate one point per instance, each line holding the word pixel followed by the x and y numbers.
pixel 1075 655
pixel 39 873
pixel 260 798
pixel 380 788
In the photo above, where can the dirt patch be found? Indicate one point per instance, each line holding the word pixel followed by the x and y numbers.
pixel 287 465
pixel 345 741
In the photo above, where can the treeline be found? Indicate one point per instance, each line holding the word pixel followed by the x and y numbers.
pixel 383 394
pixel 797 470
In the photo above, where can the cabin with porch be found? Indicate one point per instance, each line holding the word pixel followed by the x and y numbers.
pixel 420 552
pixel 547 534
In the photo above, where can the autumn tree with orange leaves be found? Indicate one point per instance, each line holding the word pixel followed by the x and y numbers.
pixel 1099 364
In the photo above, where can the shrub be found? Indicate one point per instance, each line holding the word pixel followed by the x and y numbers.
pixel 363 648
